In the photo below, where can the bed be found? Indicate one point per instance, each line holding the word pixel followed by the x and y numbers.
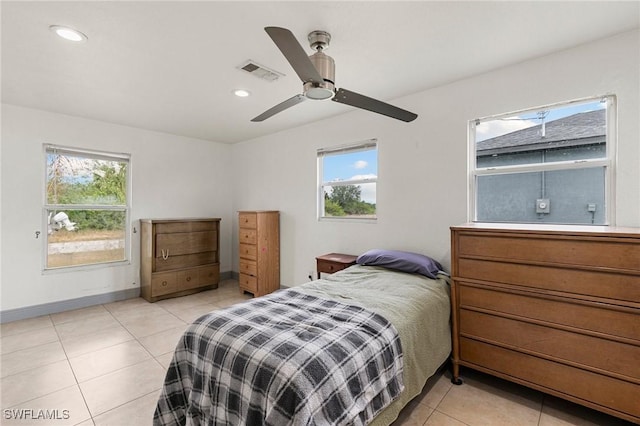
pixel 352 348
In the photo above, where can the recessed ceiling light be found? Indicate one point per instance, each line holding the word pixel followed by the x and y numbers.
pixel 68 33
pixel 242 93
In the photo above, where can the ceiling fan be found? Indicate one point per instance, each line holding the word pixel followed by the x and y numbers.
pixel 317 73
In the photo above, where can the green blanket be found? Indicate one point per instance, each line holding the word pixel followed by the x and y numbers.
pixel 417 306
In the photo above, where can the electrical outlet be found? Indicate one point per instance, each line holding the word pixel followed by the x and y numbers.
pixel 591 207
pixel 543 205
pixel 311 274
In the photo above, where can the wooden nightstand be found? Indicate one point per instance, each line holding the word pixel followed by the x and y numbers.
pixel 334 262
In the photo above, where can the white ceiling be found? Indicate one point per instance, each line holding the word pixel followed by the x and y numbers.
pixel 172 66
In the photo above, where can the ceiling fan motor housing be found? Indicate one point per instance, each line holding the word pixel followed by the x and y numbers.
pixel 327 69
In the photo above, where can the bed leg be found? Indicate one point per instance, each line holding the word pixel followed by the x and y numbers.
pixel 455 374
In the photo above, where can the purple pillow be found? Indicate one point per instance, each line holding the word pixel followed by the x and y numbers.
pixel 402 261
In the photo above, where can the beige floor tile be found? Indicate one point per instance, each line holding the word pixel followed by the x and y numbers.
pixel 152 324
pixel 36 383
pixel 27 339
pixel 559 412
pixel 27 359
pixel 191 313
pixel 81 327
pixel 22 326
pixel 137 412
pixel 112 390
pixel 435 390
pixel 414 414
pixel 79 314
pixel 63 407
pixel 126 305
pixel 163 342
pixel 491 401
pixel 184 302
pixel 103 361
pixel 141 312
pixel 83 344
pixel 439 419
pixel 165 359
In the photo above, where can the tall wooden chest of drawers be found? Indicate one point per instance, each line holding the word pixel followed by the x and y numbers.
pixel 178 257
pixel 553 308
pixel 259 250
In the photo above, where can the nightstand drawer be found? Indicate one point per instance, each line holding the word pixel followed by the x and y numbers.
pixel 330 267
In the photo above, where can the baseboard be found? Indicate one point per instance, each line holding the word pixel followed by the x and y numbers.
pixel 10 315
pixel 66 305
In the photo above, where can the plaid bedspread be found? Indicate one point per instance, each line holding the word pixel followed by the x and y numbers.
pixel 283 359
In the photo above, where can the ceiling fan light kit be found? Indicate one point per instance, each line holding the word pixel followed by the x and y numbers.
pixel 317 73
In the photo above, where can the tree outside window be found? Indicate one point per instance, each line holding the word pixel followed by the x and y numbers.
pixel 86 207
pixel 348 178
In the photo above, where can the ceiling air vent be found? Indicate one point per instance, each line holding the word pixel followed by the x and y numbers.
pixel 260 71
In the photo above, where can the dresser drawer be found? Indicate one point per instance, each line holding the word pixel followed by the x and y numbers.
pixel 185 243
pixel 604 354
pixel 248 282
pixel 164 283
pixel 185 261
pixel 188 279
pixel 209 275
pixel 247 220
pixel 248 267
pixel 597 317
pixel 188 226
pixel 608 393
pixel 592 283
pixel 248 251
pixel 605 253
pixel 247 236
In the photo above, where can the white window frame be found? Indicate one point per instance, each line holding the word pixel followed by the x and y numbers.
pixel 607 163
pixel 98 155
pixel 367 145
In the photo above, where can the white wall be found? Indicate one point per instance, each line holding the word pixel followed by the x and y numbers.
pixel 172 176
pixel 422 186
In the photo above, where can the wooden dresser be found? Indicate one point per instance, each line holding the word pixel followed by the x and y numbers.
pixel 553 308
pixel 259 249
pixel 178 257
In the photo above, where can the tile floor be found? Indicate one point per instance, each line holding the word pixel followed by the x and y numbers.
pixel 104 365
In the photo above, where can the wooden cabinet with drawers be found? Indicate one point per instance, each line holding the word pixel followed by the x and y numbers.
pixel 259 250
pixel 553 308
pixel 178 257
pixel 334 262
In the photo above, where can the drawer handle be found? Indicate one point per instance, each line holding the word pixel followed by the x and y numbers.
pixel 165 255
pixel 164 283
pixel 188 279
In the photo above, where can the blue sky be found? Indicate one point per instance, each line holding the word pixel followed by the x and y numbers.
pixel 501 126
pixel 350 166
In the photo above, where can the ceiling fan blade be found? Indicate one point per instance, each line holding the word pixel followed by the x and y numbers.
pixel 295 54
pixel 360 101
pixel 280 107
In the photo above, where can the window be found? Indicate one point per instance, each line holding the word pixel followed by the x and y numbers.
pixel 549 165
pixel 347 181
pixel 86 207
